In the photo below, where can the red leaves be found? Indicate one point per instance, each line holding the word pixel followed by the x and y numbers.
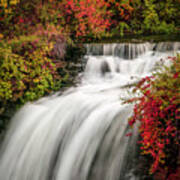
pixel 21 20
pixel 87 17
pixel 176 75
pixel 158 109
pixel 132 121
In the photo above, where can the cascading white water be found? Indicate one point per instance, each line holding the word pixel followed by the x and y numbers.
pixel 123 50
pixel 167 46
pixel 80 135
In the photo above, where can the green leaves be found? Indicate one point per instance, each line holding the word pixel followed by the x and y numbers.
pixel 26 73
pixel 155 17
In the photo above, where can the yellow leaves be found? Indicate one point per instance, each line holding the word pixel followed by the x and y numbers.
pixel 5 90
pixel 36 80
pixel 46 48
pixel 1 36
pixel 7 6
pixel 145 152
pixel 4 3
pixel 26 77
pixel 51 46
pixel 14 2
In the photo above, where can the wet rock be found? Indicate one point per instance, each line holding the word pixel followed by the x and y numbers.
pixel 59 49
pixel 105 68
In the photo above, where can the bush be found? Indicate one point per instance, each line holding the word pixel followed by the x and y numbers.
pixel 85 17
pixel 158 110
pixel 26 73
pixel 155 17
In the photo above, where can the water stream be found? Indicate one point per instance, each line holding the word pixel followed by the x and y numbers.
pixel 81 134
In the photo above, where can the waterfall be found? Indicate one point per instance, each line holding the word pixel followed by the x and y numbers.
pixel 123 50
pixel 167 46
pixel 82 133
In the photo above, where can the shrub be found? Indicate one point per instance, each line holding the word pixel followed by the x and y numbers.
pixel 85 17
pixel 158 110
pixel 26 74
pixel 95 18
pixel 17 17
pixel 155 17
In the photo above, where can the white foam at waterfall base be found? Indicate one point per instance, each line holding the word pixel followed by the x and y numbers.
pixel 80 135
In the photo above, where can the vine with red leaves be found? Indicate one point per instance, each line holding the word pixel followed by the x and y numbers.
pixel 158 110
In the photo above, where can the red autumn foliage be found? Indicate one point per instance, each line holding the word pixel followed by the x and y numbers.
pixel 87 17
pixel 158 110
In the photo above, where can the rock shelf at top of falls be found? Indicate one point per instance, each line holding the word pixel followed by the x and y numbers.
pixel 81 134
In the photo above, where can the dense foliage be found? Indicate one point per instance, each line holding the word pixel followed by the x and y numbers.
pixel 85 17
pixel 72 17
pixel 156 17
pixel 26 73
pixel 92 18
pixel 158 110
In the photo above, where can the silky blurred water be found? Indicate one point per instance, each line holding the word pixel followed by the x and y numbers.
pixel 82 133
